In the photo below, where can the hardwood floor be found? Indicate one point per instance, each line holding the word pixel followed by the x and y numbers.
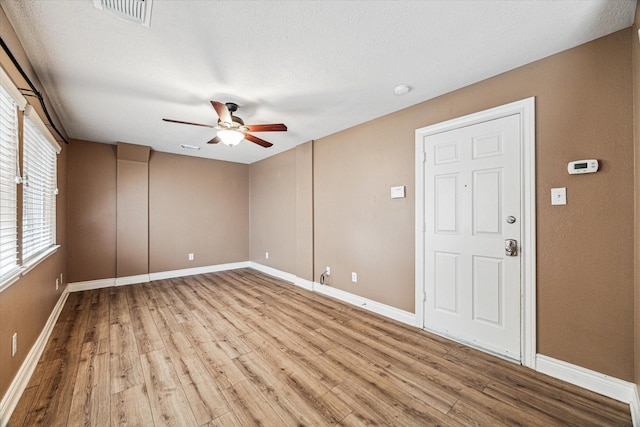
pixel 242 348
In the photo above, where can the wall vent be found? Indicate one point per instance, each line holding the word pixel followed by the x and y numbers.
pixel 138 11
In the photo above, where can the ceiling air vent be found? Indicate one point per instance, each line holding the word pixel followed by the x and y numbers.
pixel 138 11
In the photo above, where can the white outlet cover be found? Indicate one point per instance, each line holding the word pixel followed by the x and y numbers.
pixel 559 196
pixel 354 277
pixel 398 192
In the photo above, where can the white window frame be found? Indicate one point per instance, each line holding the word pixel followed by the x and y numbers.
pixel 39 188
pixel 11 276
pixel 9 172
pixel 25 265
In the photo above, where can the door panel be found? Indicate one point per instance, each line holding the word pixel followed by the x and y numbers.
pixel 472 184
pixel 487 290
pixel 446 195
pixel 446 281
pixel 487 204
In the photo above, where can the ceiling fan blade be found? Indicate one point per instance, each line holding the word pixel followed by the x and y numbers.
pixel 187 123
pixel 274 127
pixel 222 111
pixel 257 140
pixel 214 140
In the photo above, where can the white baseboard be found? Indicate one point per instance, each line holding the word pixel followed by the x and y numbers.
pixel 605 385
pixel 273 271
pixel 107 283
pixel 304 283
pixel 20 381
pixel 198 270
pixel 132 280
pixel 91 284
pixel 292 278
pixel 635 407
pixel 367 304
pixel 143 278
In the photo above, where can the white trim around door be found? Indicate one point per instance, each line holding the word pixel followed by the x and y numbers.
pixel 525 109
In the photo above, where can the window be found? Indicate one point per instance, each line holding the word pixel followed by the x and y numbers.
pixel 8 185
pixel 39 192
pixel 28 230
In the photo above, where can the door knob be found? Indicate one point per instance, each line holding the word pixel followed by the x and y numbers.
pixel 511 247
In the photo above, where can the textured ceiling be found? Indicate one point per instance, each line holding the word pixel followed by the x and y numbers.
pixel 318 66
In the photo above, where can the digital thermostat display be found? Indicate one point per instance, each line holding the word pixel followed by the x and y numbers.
pixel 582 166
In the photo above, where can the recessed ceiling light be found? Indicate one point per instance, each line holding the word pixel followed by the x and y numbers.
pixel 189 147
pixel 401 89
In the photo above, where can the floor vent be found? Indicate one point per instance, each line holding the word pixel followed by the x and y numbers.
pixel 138 11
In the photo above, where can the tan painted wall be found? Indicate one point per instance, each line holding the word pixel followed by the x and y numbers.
pixel 273 211
pixel 25 308
pixel 304 211
pixel 358 227
pixel 92 211
pixel 635 43
pixel 132 219
pixel 585 249
pixel 27 304
pixel 132 210
pixel 281 203
pixel 197 206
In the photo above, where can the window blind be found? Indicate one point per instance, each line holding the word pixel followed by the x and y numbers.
pixel 8 185
pixel 39 192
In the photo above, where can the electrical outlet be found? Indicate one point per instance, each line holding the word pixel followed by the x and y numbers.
pixel 190 257
pixel 57 283
pixel 328 271
pixel 14 344
pixel 266 255
pixel 354 277
pixel 559 196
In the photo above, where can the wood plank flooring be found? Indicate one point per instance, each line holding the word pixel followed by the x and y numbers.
pixel 241 348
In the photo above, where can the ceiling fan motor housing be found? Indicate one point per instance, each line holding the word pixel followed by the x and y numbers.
pixel 233 107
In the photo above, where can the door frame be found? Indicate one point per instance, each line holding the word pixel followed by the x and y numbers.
pixel 525 108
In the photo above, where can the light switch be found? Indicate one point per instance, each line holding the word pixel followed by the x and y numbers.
pixel 397 192
pixel 559 196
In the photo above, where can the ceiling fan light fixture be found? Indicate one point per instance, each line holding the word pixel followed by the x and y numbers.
pixel 231 129
pixel 230 137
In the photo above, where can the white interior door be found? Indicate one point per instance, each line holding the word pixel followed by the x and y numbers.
pixel 472 198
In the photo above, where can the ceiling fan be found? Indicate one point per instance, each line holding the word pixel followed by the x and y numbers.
pixel 231 129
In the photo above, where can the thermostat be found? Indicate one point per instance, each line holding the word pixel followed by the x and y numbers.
pixel 582 166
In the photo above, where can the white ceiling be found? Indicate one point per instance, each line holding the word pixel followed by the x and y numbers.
pixel 317 66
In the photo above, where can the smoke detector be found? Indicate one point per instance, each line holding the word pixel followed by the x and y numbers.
pixel 138 11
